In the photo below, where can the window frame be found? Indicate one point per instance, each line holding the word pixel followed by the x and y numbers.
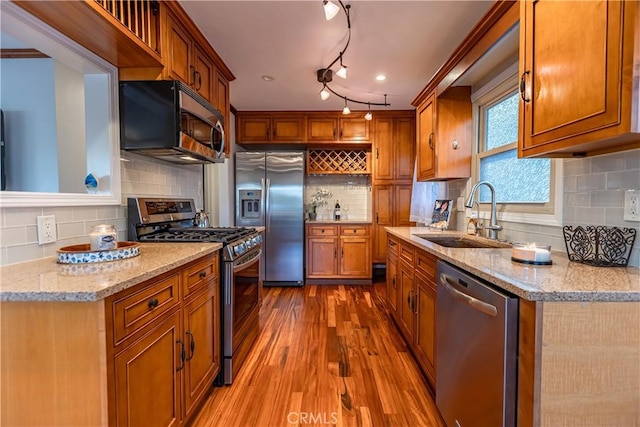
pixel 550 213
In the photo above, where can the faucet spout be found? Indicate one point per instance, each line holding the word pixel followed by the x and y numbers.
pixel 493 226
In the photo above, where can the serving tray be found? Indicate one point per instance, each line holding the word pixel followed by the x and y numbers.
pixel 82 254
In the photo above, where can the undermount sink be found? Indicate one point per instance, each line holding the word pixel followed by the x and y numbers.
pixel 461 242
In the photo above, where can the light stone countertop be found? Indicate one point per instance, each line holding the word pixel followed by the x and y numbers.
pixel 562 281
pixel 46 280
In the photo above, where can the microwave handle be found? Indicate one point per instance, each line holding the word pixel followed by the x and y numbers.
pixel 222 140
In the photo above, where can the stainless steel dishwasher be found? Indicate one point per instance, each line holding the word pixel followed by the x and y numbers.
pixel 476 351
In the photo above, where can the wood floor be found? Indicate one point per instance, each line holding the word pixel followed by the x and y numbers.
pixel 326 355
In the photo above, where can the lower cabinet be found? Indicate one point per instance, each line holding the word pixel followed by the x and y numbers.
pixel 411 299
pixel 164 366
pixel 338 252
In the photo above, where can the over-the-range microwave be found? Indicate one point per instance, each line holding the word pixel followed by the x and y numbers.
pixel 168 120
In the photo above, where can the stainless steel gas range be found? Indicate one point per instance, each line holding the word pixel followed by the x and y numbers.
pixel 170 220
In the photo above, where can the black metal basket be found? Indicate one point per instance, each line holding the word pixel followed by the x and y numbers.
pixel 599 245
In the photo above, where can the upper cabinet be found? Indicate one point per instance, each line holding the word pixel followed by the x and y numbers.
pixel 333 127
pixel 394 147
pixel 579 89
pixel 445 135
pixel 187 61
pixel 269 127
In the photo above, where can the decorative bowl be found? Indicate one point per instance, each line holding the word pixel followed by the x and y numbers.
pixel 82 254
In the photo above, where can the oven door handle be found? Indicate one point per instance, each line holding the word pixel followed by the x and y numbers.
pixel 239 267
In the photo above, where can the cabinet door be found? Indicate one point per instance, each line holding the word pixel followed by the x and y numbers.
pixel 180 52
pixel 383 149
pixel 405 148
pixel 202 342
pixel 405 301
pixel 147 378
pixel 426 140
pixel 204 74
pixel 322 129
pixel 392 285
pixel 402 205
pixel 322 257
pixel 573 79
pixel 425 306
pixel 355 257
pixel 383 207
pixel 354 130
pixel 288 129
pixel 253 128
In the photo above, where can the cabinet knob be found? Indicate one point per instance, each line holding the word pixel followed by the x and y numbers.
pixel 152 303
pixel 203 274
pixel 454 144
pixel 323 230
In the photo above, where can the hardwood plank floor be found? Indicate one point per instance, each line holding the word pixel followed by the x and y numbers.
pixel 326 355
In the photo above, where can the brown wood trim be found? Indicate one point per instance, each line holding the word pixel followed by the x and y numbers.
pixel 527 361
pixel 338 281
pixel 22 54
pixel 485 33
pixel 195 33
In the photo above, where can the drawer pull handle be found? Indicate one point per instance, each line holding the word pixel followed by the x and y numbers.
pixel 152 303
pixel 183 355
pixel 203 274
pixel 323 230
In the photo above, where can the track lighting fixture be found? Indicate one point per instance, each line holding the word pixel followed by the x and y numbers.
pixel 330 9
pixel 325 75
pixel 346 110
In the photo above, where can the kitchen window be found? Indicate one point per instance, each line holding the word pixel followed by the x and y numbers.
pixel 526 189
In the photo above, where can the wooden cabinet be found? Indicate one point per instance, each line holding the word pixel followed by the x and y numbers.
pixel 445 135
pixel 579 90
pixel 334 127
pixel 186 60
pixel 262 128
pixel 411 298
pixel 221 102
pixel 338 251
pixel 146 375
pixel 167 360
pixel 393 153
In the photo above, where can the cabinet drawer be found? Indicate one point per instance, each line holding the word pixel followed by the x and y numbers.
pixel 323 230
pixel 354 230
pixel 426 264
pixel 198 275
pixel 134 311
pixel 407 253
pixel 392 246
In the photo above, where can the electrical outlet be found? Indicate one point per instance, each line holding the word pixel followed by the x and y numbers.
pixel 47 232
pixel 632 205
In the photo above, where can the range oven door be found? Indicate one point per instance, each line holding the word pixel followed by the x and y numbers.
pixel 241 306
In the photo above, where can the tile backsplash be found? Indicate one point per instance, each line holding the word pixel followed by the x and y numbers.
pixel 353 192
pixel 140 175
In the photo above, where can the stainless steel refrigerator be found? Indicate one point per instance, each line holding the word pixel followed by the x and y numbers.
pixel 269 193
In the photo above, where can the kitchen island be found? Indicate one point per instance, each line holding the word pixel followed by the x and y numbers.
pixel 82 342
pixel 579 331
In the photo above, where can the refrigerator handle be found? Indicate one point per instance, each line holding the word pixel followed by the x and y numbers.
pixel 268 214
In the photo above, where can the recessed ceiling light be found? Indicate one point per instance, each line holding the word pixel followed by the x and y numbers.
pixel 267 78
pixel 380 77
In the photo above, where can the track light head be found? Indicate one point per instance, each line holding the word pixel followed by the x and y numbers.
pixel 324 93
pixel 330 9
pixel 346 109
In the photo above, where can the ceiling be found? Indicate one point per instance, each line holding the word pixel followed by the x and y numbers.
pixel 407 41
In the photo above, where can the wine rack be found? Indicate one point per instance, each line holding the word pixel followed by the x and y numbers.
pixel 338 162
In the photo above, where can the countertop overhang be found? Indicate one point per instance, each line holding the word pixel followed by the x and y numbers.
pixel 563 281
pixel 46 280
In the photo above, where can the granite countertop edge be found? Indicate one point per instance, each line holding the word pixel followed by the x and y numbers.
pixel 516 285
pixel 30 293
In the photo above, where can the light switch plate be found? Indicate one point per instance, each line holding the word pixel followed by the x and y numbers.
pixel 632 205
pixel 47 232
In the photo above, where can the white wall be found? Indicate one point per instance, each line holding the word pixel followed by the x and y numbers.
pixel 29 106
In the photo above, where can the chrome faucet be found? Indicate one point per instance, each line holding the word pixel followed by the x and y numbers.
pixel 493 226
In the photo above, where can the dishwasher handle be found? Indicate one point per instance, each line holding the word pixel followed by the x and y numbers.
pixel 482 306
